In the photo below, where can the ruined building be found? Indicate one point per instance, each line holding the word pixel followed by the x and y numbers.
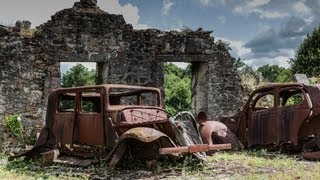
pixel 30 61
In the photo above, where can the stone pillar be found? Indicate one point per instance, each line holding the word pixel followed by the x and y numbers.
pixel 224 89
pixel 102 72
pixel 199 87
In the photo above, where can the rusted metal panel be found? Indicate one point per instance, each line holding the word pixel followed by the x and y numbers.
pixel 291 120
pixel 145 134
pixel 138 115
pixel 194 148
pixel 146 137
pixel 215 132
pixel 313 92
pixel 313 156
pixel 261 128
pixel 91 129
pixel 63 127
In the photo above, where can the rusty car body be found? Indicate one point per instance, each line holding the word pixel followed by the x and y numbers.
pixel 109 120
pixel 279 116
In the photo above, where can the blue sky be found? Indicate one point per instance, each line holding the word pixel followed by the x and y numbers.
pixel 259 31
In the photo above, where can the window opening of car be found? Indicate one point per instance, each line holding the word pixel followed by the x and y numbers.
pixel 66 102
pixel 91 101
pixel 133 97
pixel 264 101
pixel 291 97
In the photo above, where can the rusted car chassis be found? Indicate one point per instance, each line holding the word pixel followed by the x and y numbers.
pixel 280 116
pixel 114 120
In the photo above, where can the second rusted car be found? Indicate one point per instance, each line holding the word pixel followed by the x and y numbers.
pixel 279 116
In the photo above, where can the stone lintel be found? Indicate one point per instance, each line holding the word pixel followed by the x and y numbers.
pixel 183 58
pixel 73 57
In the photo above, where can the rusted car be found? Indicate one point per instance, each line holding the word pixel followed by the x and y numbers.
pixel 278 117
pixel 111 120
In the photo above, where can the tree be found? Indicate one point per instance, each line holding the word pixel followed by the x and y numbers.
pixel 238 63
pixel 307 57
pixel 78 75
pixel 274 73
pixel 177 88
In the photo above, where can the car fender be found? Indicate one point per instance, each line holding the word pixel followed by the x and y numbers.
pixel 215 132
pixel 142 134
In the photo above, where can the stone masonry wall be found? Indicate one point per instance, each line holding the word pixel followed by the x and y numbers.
pixel 29 61
pixel 22 77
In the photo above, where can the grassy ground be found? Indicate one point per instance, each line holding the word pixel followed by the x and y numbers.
pixel 222 165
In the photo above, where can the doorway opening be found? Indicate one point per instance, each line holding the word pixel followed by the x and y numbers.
pixel 178 90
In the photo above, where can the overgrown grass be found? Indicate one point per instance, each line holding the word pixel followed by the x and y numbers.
pixel 27 169
pixel 222 165
pixel 264 165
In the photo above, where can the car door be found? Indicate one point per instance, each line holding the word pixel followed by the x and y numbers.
pixel 64 116
pixel 294 109
pixel 262 119
pixel 90 125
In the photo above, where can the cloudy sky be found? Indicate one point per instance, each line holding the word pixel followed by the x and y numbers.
pixel 259 31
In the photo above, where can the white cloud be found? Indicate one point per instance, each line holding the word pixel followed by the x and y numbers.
pixel 166 7
pixel 300 7
pixel 261 7
pixel 270 9
pixel 272 14
pixel 40 11
pixel 206 2
pixel 130 12
pixel 279 60
pixel 238 48
pixel 280 57
pixel 257 3
pixel 250 6
pixel 35 11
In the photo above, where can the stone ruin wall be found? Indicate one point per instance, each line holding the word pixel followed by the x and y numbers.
pixel 30 61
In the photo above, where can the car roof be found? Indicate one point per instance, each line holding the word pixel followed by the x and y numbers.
pixel 279 85
pixel 108 86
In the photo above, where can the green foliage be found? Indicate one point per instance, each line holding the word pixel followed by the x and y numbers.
pixel 14 125
pixel 295 99
pixel 177 88
pixel 33 169
pixel 78 75
pixel 274 73
pixel 314 80
pixel 223 45
pixel 238 63
pixel 307 58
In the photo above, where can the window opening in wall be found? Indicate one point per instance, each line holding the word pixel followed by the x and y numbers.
pixel 75 74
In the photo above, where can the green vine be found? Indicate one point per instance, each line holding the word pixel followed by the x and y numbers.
pixel 14 125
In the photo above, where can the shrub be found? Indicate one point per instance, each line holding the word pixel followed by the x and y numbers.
pixel 14 126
